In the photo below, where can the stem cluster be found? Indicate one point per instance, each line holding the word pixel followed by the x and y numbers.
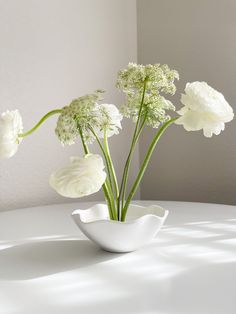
pixel 117 201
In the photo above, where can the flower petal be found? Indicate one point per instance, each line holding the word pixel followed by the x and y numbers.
pixel 10 127
pixel 191 121
pixel 82 177
pixel 204 108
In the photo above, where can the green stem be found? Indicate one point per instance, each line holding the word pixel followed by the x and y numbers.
pixel 104 154
pixel 111 165
pixel 129 161
pixel 107 197
pixel 130 155
pixel 85 146
pixel 111 200
pixel 44 118
pixel 144 166
pixel 105 185
pixel 109 182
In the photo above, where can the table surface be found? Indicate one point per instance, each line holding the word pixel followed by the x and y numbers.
pixel 48 267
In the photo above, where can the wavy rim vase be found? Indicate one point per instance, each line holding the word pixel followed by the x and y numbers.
pixel 141 226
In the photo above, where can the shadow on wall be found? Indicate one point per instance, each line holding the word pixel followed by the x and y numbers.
pixel 201 46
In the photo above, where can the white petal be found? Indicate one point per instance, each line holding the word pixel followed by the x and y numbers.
pixel 109 119
pixel 10 127
pixel 82 177
pixel 204 108
pixel 183 110
pixel 207 132
pixel 191 121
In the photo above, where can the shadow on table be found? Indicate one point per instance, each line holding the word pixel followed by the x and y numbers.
pixel 37 259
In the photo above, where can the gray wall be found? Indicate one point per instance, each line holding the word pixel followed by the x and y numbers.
pixel 198 39
pixel 52 51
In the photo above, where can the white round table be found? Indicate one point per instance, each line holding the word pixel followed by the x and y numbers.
pixel 48 267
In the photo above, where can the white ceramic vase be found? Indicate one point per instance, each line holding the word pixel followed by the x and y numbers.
pixel 140 227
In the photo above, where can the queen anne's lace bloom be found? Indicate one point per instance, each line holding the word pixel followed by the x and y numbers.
pixel 204 108
pixel 82 177
pixel 85 113
pixel 153 80
pixel 79 114
pixel 10 127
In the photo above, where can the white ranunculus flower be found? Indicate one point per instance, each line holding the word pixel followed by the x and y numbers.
pixel 109 119
pixel 10 127
pixel 204 108
pixel 83 176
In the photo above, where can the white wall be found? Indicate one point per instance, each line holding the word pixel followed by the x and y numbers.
pixel 198 39
pixel 52 51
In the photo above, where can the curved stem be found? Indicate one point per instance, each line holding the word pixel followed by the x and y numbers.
pixel 44 118
pixel 105 188
pixel 129 158
pixel 108 200
pixel 85 146
pixel 144 166
pixel 112 169
pixel 103 152
pixel 109 182
pixel 127 165
pixel 111 200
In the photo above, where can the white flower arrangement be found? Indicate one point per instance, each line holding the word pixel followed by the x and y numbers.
pixel 144 88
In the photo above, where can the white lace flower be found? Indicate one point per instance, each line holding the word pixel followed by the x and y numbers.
pixel 10 127
pixel 82 177
pixel 154 80
pixel 79 113
pixel 204 108
pixel 108 118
